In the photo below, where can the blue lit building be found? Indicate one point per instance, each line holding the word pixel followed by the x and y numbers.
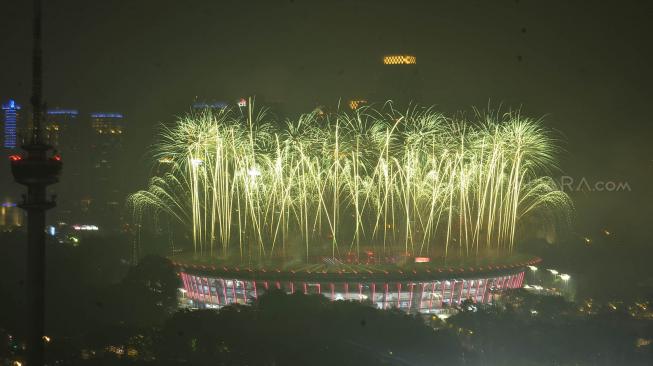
pixel 11 111
pixel 211 105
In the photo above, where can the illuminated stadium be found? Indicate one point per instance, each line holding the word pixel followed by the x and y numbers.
pixel 421 288
pixel 413 209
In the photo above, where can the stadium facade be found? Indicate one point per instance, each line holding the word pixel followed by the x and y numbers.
pixel 431 290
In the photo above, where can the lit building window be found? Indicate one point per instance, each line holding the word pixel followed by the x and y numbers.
pixel 399 60
pixel 355 104
pixel 107 123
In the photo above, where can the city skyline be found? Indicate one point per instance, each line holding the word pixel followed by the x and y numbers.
pixel 557 60
pixel 293 182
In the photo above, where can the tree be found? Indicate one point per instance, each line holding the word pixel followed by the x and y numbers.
pixel 150 291
pixel 297 329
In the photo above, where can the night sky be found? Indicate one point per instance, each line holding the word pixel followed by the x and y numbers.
pixel 583 66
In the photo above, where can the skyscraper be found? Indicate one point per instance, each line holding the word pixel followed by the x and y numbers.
pixel 107 192
pixel 11 216
pixel 62 128
pixel 398 80
pixel 108 129
pixel 212 105
pixel 107 123
pixel 11 116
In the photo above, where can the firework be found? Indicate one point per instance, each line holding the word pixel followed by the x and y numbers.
pixel 414 183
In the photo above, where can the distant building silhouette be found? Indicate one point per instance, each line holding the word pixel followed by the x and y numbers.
pixel 398 80
pixel 11 216
pixel 107 123
pixel 209 105
pixel 62 128
pixel 66 131
pixel 106 195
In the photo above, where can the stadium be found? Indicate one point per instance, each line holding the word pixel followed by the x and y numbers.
pixel 422 288
pixel 411 210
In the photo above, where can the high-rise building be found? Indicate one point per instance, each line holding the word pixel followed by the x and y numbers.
pixel 11 216
pixel 11 111
pixel 211 105
pixel 398 80
pixel 64 131
pixel 399 60
pixel 106 194
pixel 62 128
pixel 107 129
pixel 107 123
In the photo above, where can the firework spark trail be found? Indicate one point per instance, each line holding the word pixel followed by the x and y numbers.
pixel 416 182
